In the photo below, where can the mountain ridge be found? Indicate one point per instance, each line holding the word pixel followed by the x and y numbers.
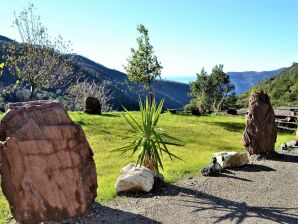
pixel 247 79
pixel 282 88
pixel 126 93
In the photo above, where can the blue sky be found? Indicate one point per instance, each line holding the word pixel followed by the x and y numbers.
pixel 187 35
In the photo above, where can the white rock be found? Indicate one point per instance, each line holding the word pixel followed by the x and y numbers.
pixel 134 178
pixel 231 159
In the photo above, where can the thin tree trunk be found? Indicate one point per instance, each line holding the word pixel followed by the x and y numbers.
pixel 151 163
pixel 150 98
pixel 150 93
pixel 218 108
pixel 213 107
pixel 32 92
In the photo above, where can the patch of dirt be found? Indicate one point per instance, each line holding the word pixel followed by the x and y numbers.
pixel 265 191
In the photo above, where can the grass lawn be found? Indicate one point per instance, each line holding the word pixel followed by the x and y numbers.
pixel 202 136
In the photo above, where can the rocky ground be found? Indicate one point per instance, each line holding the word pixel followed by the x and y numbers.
pixel 265 191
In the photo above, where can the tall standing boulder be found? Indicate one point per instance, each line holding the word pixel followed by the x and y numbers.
pixel 92 105
pixel 261 131
pixel 47 167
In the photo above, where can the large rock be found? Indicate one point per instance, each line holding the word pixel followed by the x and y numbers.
pixel 260 132
pixel 134 178
pixel 231 159
pixel 92 105
pixel 47 166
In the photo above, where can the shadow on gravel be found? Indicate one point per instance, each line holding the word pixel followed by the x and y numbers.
pixel 102 214
pixel 228 211
pixel 253 168
pixel 288 156
pixel 236 212
pixel 285 158
pixel 234 177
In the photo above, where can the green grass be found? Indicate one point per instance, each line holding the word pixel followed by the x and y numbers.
pixel 202 136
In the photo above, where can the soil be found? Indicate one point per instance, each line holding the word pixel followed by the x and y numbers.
pixel 264 191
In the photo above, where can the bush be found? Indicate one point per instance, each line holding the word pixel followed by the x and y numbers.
pixel 148 139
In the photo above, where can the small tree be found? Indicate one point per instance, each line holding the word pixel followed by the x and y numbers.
pixel 143 66
pixel 199 92
pixel 210 91
pixel 38 61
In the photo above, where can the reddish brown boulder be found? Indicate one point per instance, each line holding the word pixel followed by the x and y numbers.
pixel 260 132
pixel 92 105
pixel 47 167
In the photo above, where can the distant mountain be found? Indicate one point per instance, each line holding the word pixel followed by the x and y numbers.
pixel 125 93
pixel 245 80
pixel 242 80
pixel 184 79
pixel 282 88
pixel 5 39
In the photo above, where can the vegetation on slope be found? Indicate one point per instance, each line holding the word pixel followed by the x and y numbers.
pixel 282 88
pixel 125 92
pixel 202 136
pixel 243 81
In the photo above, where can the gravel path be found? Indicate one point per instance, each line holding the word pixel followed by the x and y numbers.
pixel 265 191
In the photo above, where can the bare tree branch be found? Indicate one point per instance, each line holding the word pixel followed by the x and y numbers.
pixel 81 90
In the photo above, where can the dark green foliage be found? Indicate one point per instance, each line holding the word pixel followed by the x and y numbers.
pixel 143 66
pixel 281 88
pixel 149 140
pixel 211 92
pixel 229 102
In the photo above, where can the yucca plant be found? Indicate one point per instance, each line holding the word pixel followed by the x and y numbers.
pixel 149 140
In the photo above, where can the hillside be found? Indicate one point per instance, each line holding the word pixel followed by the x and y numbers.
pixel 125 93
pixel 245 80
pixel 282 88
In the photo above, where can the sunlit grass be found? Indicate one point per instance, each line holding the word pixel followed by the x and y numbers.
pixel 202 136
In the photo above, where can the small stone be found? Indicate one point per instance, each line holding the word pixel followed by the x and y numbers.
pixel 284 146
pixel 231 159
pixel 213 169
pixel 134 178
pixel 292 143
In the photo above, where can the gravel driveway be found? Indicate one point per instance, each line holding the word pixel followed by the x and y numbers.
pixel 265 191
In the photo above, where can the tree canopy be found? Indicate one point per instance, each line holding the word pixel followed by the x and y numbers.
pixel 208 92
pixel 39 61
pixel 143 66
